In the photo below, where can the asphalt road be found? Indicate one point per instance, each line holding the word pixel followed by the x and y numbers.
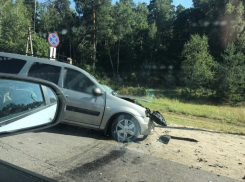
pixel 69 153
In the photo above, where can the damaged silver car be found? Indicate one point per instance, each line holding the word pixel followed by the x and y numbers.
pixel 88 103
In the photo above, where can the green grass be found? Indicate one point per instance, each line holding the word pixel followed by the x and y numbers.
pixel 223 118
pixel 203 124
pixel 231 115
pixel 202 112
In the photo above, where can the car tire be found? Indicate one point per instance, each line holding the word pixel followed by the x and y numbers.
pixel 125 128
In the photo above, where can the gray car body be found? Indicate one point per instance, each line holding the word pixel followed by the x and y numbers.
pixel 106 104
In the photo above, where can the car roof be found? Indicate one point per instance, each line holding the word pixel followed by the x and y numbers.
pixel 40 60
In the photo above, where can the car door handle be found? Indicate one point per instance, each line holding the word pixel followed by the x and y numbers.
pixel 66 96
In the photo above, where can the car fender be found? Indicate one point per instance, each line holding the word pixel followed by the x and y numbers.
pixel 112 112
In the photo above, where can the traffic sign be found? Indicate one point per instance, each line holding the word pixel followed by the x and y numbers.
pixel 53 39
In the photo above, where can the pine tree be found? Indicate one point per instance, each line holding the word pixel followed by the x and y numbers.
pixel 197 65
pixel 230 76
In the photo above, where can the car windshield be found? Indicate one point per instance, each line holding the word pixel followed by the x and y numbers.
pixel 155 89
pixel 108 89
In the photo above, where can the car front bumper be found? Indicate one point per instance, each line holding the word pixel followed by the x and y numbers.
pixel 146 125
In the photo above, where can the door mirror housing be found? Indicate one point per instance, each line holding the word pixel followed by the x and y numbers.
pixel 28 104
pixel 114 93
pixel 97 91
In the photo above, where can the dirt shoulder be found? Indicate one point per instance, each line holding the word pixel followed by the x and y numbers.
pixel 220 153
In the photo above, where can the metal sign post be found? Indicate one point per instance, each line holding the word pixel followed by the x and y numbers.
pixel 52 54
pixel 54 41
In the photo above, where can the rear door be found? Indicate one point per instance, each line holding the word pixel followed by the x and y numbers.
pixel 83 106
pixel 45 71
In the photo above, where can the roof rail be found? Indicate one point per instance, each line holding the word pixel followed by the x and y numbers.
pixel 38 56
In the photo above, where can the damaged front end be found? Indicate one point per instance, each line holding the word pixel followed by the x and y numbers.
pixel 154 116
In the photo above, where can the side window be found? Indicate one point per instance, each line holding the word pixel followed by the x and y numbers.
pixel 18 97
pixel 75 80
pixel 52 97
pixel 11 65
pixel 45 71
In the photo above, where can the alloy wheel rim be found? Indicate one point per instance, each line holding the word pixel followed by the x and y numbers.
pixel 125 129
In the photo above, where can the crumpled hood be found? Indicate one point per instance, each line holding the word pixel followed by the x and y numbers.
pixel 133 97
pixel 115 101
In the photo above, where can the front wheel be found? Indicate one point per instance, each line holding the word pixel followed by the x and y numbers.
pixel 125 128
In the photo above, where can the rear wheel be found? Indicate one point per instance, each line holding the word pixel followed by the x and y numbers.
pixel 125 128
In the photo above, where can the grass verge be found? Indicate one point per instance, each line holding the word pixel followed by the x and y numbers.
pixel 221 118
pixel 200 112
pixel 203 123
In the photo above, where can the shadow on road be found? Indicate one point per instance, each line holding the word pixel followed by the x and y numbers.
pixel 189 129
pixel 197 129
pixel 65 129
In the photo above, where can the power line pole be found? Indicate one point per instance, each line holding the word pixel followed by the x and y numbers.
pixel 29 41
pixel 35 15
pixel 94 37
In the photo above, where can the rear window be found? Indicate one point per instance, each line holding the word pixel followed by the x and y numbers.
pixel 11 65
pixel 45 71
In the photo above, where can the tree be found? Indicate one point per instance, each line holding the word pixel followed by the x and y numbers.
pixel 104 35
pixel 136 42
pixel 187 23
pixel 32 7
pixel 14 25
pixel 40 46
pixel 179 9
pixel 57 16
pixel 234 11
pixel 230 77
pixel 161 12
pixel 97 15
pixel 197 65
pixel 124 22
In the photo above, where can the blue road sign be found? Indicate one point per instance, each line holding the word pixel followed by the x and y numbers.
pixel 53 39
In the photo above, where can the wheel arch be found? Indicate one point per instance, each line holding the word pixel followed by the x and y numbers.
pixel 112 118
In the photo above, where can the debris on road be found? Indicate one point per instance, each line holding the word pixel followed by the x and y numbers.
pixel 201 160
pixel 164 139
pixel 185 139
pixel 123 159
pixel 216 165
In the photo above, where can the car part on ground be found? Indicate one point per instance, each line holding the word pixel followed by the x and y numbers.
pixel 125 128
pixel 28 104
pixel 165 139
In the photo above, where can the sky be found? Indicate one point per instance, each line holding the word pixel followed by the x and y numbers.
pixel 185 3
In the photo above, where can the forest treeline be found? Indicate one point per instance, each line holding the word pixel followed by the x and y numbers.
pixel 201 48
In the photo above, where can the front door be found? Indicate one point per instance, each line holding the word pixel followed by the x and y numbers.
pixel 82 105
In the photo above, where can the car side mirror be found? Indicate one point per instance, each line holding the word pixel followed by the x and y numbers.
pixel 28 104
pixel 114 93
pixel 97 91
